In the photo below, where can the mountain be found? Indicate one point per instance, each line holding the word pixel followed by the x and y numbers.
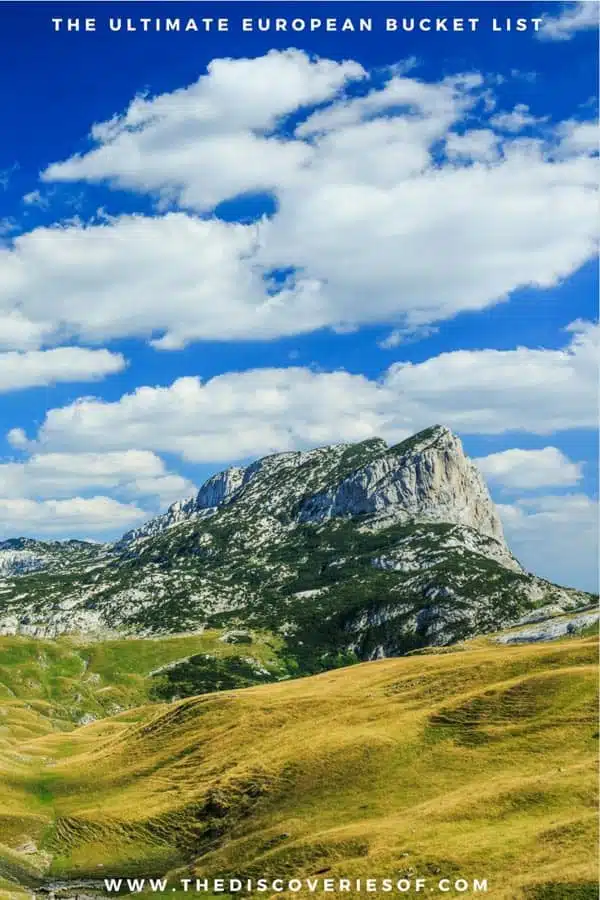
pixel 343 552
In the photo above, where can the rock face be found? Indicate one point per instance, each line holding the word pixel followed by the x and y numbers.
pixel 23 556
pixel 214 493
pixel 19 562
pixel 550 629
pixel 359 549
pixel 428 478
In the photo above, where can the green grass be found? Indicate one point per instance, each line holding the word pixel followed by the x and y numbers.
pixel 49 685
pixel 480 763
pixel 565 891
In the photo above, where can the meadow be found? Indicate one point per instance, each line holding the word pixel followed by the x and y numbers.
pixel 478 761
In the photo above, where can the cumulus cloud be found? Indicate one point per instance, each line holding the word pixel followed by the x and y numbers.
pixel 18 331
pixel 530 469
pixel 212 139
pixel 138 473
pixel 63 518
pixel 517 119
pixel 84 494
pixel 241 414
pixel 477 145
pixel 138 275
pixel 364 207
pixel 579 137
pixel 556 535
pixel 572 18
pixel 492 391
pixel 36 368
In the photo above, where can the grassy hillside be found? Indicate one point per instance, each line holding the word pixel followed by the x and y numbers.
pixel 479 762
pixel 49 685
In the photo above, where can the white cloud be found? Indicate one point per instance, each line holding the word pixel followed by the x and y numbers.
pixel 405 336
pixel 17 331
pixel 72 517
pixel 493 391
pixel 572 18
pixel 523 222
pixel 231 416
pixel 579 137
pixel 211 140
pixel 517 119
pixel 84 494
pixel 364 208
pixel 479 145
pixel 242 414
pixel 423 111
pixel 557 536
pixel 137 275
pixel 36 368
pixel 133 473
pixel 36 198
pixel 530 469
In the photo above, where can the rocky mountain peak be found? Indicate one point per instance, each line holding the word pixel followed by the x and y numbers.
pixel 427 478
pixel 387 548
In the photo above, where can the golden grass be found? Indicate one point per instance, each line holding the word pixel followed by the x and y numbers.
pixel 480 763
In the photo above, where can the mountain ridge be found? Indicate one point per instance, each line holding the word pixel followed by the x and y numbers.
pixel 225 487
pixel 349 550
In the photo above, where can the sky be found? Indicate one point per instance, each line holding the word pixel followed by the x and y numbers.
pixel 219 244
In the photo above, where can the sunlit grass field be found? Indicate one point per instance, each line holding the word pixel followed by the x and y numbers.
pixel 480 763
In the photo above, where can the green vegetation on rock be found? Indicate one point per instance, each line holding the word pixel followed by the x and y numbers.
pixel 342 552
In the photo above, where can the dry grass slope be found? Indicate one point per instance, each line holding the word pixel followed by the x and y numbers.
pixel 479 762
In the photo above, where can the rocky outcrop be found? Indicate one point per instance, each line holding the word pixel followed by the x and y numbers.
pixel 25 556
pixel 429 479
pixel 20 562
pixel 180 511
pixel 220 488
pixel 214 493
pixel 550 629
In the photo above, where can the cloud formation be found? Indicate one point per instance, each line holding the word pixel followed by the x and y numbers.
pixel 242 414
pixel 572 18
pixel 87 494
pixel 392 200
pixel 530 469
pixel 393 193
pixel 556 535
pixel 133 473
pixel 213 139
pixel 73 517
pixel 35 368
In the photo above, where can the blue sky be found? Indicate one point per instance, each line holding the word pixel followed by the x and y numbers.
pixel 216 246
